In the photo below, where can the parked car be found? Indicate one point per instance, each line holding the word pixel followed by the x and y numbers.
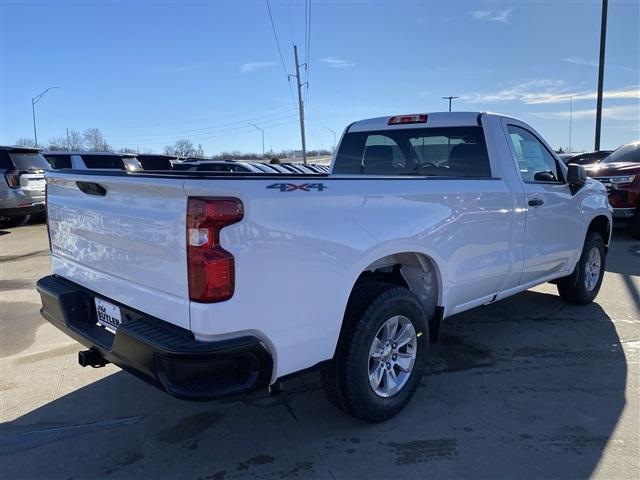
pixel 565 157
pixel 620 173
pixel 156 162
pixel 215 166
pixel 93 161
pixel 22 193
pixel 422 217
pixel 588 158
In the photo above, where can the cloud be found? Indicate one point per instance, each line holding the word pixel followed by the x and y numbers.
pixel 500 16
pixel 337 62
pixel 547 91
pixel 253 66
pixel 621 112
pixel 580 61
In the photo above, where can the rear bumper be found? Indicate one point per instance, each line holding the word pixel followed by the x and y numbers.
pixel 159 353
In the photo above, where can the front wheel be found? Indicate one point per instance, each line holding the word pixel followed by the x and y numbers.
pixel 378 368
pixel 583 285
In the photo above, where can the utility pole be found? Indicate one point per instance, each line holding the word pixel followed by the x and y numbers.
pixel 334 139
pixel 261 131
pixel 603 40
pixel 68 140
pixel 449 98
pixel 35 100
pixel 300 105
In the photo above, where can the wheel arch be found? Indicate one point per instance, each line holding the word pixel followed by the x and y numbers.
pixel 416 271
pixel 602 225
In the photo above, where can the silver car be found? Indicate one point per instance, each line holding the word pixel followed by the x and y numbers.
pixel 22 191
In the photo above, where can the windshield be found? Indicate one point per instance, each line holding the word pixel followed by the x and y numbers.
pixel 627 153
pixel 29 161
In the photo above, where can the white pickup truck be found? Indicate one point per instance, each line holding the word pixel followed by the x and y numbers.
pixel 213 284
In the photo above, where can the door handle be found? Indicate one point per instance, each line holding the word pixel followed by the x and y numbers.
pixel 536 202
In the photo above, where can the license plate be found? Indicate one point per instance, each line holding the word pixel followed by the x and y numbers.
pixel 37 184
pixel 108 315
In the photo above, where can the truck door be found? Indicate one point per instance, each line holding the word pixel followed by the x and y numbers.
pixel 552 223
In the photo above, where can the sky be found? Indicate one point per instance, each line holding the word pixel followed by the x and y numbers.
pixel 148 73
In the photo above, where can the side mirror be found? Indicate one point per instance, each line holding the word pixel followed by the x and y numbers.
pixel 576 177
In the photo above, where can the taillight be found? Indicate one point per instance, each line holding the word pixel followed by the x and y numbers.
pixel 13 178
pixel 211 269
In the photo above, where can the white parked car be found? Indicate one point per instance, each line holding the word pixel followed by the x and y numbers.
pixel 179 278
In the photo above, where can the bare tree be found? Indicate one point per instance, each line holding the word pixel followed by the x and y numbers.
pixel 25 142
pixel 74 141
pixel 94 140
pixel 182 148
pixel 57 143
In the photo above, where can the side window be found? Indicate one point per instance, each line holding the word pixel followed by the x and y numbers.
pixel 59 161
pixel 535 162
pixel 5 161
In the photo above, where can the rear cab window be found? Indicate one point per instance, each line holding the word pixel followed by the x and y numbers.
pixel 432 152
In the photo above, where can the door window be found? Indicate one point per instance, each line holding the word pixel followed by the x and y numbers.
pixel 535 163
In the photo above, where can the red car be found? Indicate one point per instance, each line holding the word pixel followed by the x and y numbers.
pixel 620 173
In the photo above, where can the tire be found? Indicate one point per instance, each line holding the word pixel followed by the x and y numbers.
pixel 633 224
pixel 39 218
pixel 583 285
pixel 15 221
pixel 396 372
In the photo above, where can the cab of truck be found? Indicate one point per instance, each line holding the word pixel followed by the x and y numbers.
pixel 620 173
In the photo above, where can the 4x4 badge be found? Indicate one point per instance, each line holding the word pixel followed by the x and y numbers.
pixel 292 187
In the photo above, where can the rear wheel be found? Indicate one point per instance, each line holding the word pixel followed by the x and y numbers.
pixel 381 356
pixel 15 221
pixel 583 285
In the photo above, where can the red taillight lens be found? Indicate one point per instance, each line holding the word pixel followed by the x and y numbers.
pixel 13 178
pixel 211 269
pixel 407 119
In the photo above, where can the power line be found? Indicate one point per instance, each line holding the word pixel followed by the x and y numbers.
pixel 220 130
pixel 211 127
pixel 275 35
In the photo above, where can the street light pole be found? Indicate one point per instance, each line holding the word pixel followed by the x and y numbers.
pixel 334 139
pixel 261 131
pixel 449 98
pixel 35 100
pixel 603 40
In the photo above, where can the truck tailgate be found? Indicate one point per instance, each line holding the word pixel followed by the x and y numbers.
pixel 123 237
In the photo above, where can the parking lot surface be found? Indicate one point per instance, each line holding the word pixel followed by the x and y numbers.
pixel 529 387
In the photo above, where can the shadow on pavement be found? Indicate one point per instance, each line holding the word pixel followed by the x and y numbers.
pixel 529 387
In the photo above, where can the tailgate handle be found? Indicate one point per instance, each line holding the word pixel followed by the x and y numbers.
pixel 91 188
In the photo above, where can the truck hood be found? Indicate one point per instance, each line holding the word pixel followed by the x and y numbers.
pixel 608 169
